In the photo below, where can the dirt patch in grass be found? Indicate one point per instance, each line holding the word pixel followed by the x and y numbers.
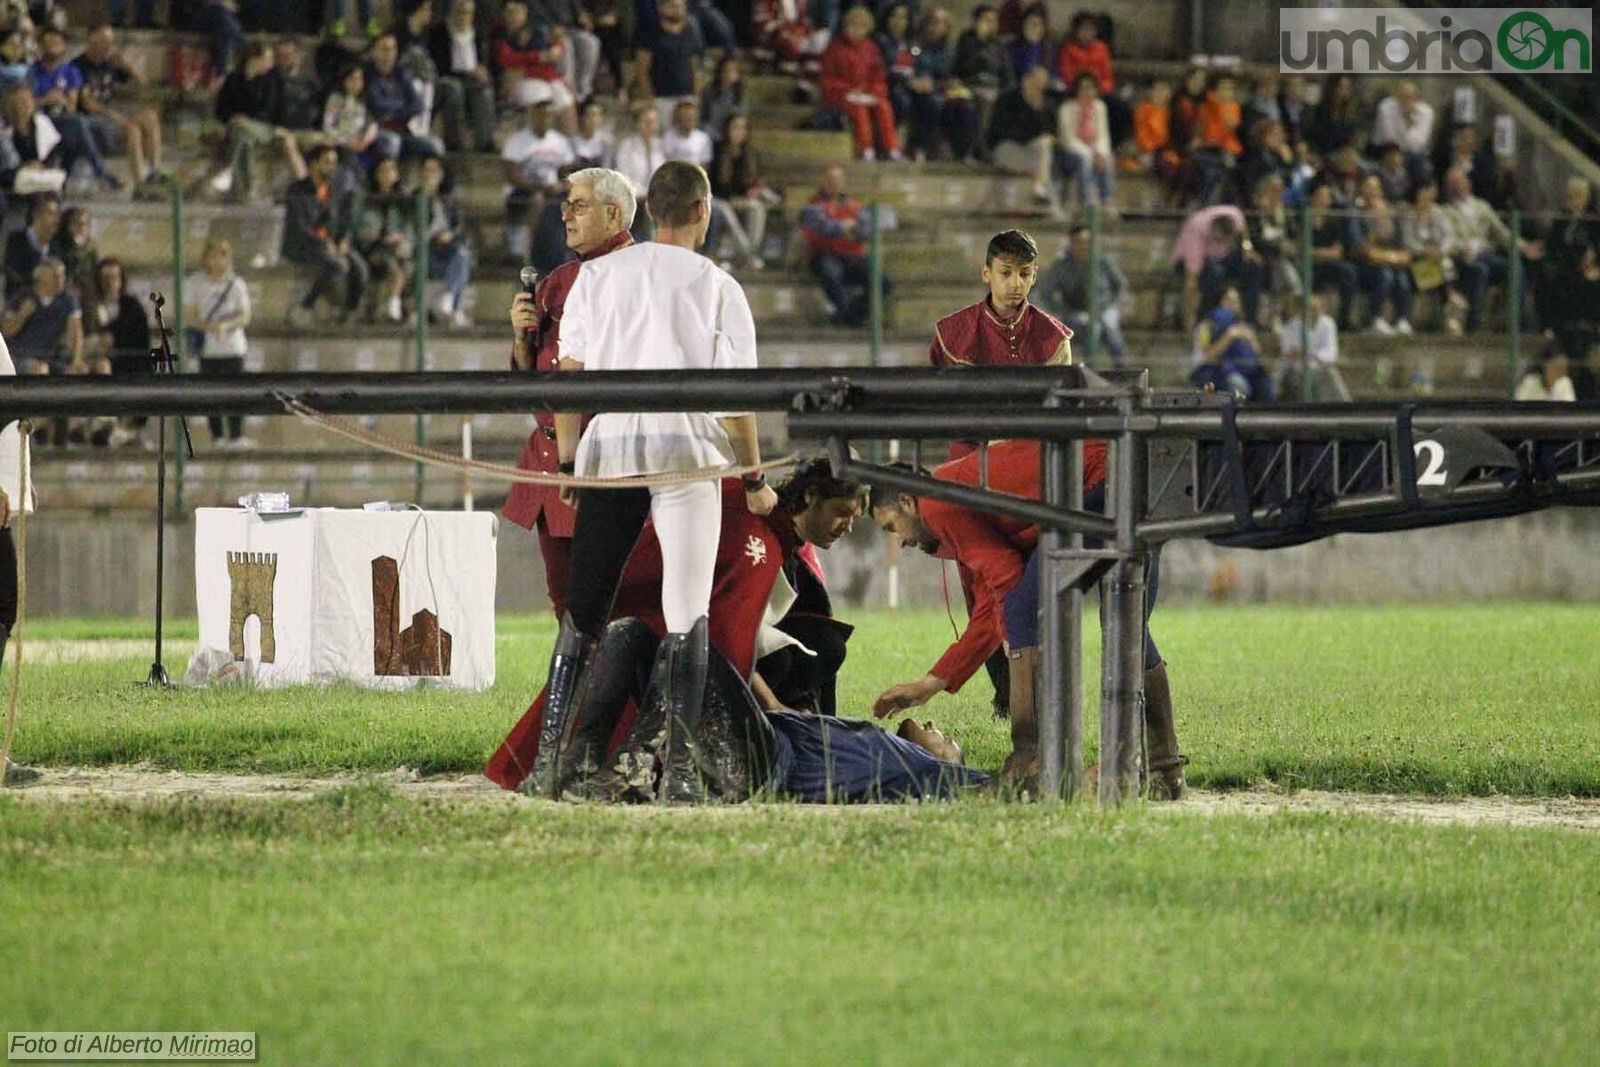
pixel 147 782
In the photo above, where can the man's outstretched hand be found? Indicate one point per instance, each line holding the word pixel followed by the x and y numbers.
pixel 908 695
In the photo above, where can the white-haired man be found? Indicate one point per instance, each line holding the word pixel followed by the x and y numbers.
pixel 598 213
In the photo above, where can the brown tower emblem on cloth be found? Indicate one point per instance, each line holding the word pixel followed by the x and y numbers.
pixel 421 649
pixel 250 578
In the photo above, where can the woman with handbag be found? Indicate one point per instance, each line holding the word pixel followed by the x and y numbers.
pixel 1426 233
pixel 223 304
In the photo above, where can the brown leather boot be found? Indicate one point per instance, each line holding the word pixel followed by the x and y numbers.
pixel 1163 760
pixel 1020 775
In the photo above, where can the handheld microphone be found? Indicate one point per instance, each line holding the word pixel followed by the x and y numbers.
pixel 530 279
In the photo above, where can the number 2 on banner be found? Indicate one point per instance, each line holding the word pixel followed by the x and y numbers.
pixel 1434 472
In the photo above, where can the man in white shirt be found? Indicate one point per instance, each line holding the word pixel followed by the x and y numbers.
pixel 1322 344
pixel 1550 380
pixel 657 306
pixel 1406 120
pixel 532 158
pixel 686 140
pixel 1479 242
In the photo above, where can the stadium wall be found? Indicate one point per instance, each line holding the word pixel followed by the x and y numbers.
pixel 88 565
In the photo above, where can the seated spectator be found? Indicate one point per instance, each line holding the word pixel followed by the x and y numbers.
pixel 1382 262
pixel 527 55
pixel 219 300
pixel 386 238
pixel 1330 240
pixel 449 250
pixel 117 328
pixel 1464 150
pixel 117 331
pixel 58 91
pixel 1548 381
pixel 579 58
pixel 1336 120
pixel 1391 171
pixel 1211 254
pixel 1269 235
pixel 983 63
pixel 393 102
pixel 1344 171
pixel 835 226
pixel 1083 52
pixel 739 191
pixel 532 159
pixel 1230 355
pixel 1152 135
pixel 640 152
pixel 29 147
pixel 1084 133
pixel 686 140
pixel 300 92
pixel 1064 291
pixel 1321 361
pixel 724 98
pixel 250 104
pixel 1262 104
pixel 854 83
pixel 1219 148
pixel 106 78
pixel 26 246
pixel 466 86
pixel 1479 243
pixel 74 246
pixel 348 126
pixel 592 141
pixel 1427 234
pixel 603 18
pixel 1292 110
pixel 785 28
pixel 14 46
pixel 43 324
pixel 942 109
pixel 317 232
pixel 899 48
pixel 1270 155
pixel 412 20
pixel 667 56
pixel 1022 135
pixel 1031 46
pixel 1569 289
pixel 1406 120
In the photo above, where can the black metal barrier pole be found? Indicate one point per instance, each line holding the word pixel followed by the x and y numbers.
pixel 1060 689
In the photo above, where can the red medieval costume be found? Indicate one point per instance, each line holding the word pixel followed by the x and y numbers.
pixel 530 505
pixel 752 552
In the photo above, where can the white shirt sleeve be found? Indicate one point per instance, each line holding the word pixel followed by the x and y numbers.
pixel 1563 390
pixel 573 341
pixel 735 329
pixel 1325 342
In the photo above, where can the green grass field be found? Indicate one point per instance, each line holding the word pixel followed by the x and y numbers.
pixel 366 927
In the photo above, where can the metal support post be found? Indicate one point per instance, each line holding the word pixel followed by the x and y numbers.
pixel 419 470
pixel 1060 684
pixel 1122 618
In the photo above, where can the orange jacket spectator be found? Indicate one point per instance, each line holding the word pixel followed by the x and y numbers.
pixel 1092 58
pixel 1219 124
pixel 1152 129
pixel 852 67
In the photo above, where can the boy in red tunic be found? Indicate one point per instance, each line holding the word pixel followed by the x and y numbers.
pixel 1001 330
pixel 1000 554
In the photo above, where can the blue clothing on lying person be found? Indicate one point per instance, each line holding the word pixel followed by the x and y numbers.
pixel 824 760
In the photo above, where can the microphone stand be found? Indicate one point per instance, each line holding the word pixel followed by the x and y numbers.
pixel 162 361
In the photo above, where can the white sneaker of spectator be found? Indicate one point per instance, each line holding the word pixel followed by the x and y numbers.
pixel 1403 328
pixel 222 181
pixel 121 437
pixel 242 444
pixel 393 309
pixel 1380 325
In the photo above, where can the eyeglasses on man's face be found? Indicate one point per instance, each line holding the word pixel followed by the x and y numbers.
pixel 578 207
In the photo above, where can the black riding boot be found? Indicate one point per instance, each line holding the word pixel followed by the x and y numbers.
pixel 620 673
pixel 999 668
pixel 569 669
pixel 686 658
pixel 1162 758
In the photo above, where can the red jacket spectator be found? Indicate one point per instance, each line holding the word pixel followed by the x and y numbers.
pixel 852 66
pixel 529 55
pixel 1219 124
pixel 1092 58
pixel 820 222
